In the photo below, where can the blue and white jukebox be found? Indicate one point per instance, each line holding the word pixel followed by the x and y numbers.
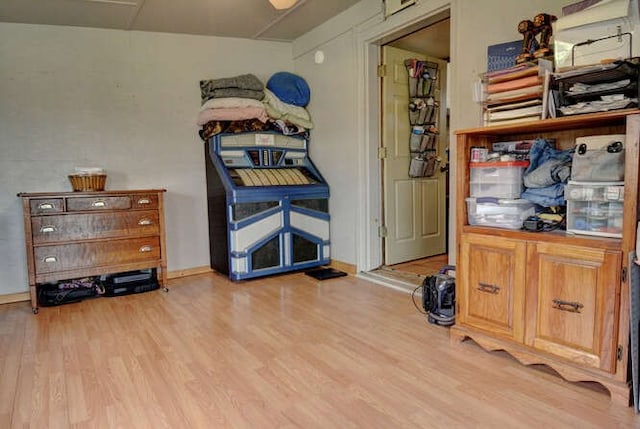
pixel 268 205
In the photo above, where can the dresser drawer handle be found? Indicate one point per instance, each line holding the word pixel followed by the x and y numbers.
pixel 45 206
pixel 47 228
pixel 572 307
pixel 98 203
pixel 142 201
pixel 485 287
pixel 145 221
pixel 50 259
pixel 146 249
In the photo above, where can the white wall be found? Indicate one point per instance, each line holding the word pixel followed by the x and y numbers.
pixel 126 101
pixel 331 147
pixel 348 41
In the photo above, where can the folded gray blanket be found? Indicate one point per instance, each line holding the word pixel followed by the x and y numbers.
pixel 234 92
pixel 245 82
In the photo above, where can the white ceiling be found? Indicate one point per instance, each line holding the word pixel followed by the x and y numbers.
pixel 251 19
pixel 433 40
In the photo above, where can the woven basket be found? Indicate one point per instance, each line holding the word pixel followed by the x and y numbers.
pixel 87 182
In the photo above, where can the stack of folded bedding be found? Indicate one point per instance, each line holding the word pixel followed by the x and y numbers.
pixel 232 103
pixel 285 100
pixel 244 104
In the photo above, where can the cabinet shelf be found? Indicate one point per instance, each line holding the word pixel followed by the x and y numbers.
pixel 562 237
pixel 555 298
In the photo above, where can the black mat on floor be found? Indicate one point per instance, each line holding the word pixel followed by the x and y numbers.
pixel 325 273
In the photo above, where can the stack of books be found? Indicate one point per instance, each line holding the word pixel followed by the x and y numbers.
pixel 516 94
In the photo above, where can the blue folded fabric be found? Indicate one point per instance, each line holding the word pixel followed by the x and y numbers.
pixel 548 172
pixel 290 88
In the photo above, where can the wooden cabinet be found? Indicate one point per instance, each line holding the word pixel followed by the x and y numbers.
pixel 78 234
pixel 550 297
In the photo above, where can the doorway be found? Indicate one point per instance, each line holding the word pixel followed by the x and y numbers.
pixel 414 210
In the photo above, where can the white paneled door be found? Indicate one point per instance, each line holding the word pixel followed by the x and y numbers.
pixel 414 209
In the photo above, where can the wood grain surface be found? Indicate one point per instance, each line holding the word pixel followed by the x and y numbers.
pixel 285 351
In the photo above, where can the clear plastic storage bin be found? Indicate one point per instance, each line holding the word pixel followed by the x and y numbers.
pixel 500 213
pixel 497 179
pixel 595 208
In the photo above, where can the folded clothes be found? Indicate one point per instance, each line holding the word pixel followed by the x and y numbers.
pixel 547 173
pixel 247 82
pixel 233 92
pixel 232 114
pixel 277 109
pixel 230 102
pixel 549 196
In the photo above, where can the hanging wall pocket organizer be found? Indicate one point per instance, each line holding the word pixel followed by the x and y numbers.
pixel 423 113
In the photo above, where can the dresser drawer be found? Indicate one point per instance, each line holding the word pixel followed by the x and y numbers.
pixel 46 205
pixel 87 226
pixel 64 257
pixel 99 203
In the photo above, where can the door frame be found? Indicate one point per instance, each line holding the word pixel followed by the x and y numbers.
pixel 370 245
pixel 420 243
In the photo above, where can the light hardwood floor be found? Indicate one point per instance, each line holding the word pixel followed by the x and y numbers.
pixel 281 352
pixel 422 267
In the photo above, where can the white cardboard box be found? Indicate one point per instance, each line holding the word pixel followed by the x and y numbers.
pixel 605 31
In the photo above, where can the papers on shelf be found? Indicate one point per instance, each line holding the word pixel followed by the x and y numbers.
pixel 515 95
pixel 598 106
pixel 510 85
pixel 516 113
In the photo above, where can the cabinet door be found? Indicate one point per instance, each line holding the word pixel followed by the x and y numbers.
pixel 490 285
pixel 573 303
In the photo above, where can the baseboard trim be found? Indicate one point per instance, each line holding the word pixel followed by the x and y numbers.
pixel 24 296
pixel 14 297
pixel 343 266
pixel 189 272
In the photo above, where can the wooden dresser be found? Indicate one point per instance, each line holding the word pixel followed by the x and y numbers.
pixel 71 235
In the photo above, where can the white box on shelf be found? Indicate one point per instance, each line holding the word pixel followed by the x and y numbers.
pixel 601 32
pixel 500 213
pixel 497 179
pixel 595 208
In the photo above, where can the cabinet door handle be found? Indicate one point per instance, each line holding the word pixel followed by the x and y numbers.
pixel 50 259
pixel 45 206
pixel 47 229
pixel 142 201
pixel 146 249
pixel 145 221
pixel 486 287
pixel 98 203
pixel 573 307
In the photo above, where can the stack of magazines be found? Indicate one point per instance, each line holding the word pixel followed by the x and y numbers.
pixel 514 95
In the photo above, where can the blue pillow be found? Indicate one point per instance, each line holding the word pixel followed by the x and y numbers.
pixel 290 88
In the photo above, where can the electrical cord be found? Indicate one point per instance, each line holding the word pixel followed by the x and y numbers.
pixel 546 227
pixel 413 299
